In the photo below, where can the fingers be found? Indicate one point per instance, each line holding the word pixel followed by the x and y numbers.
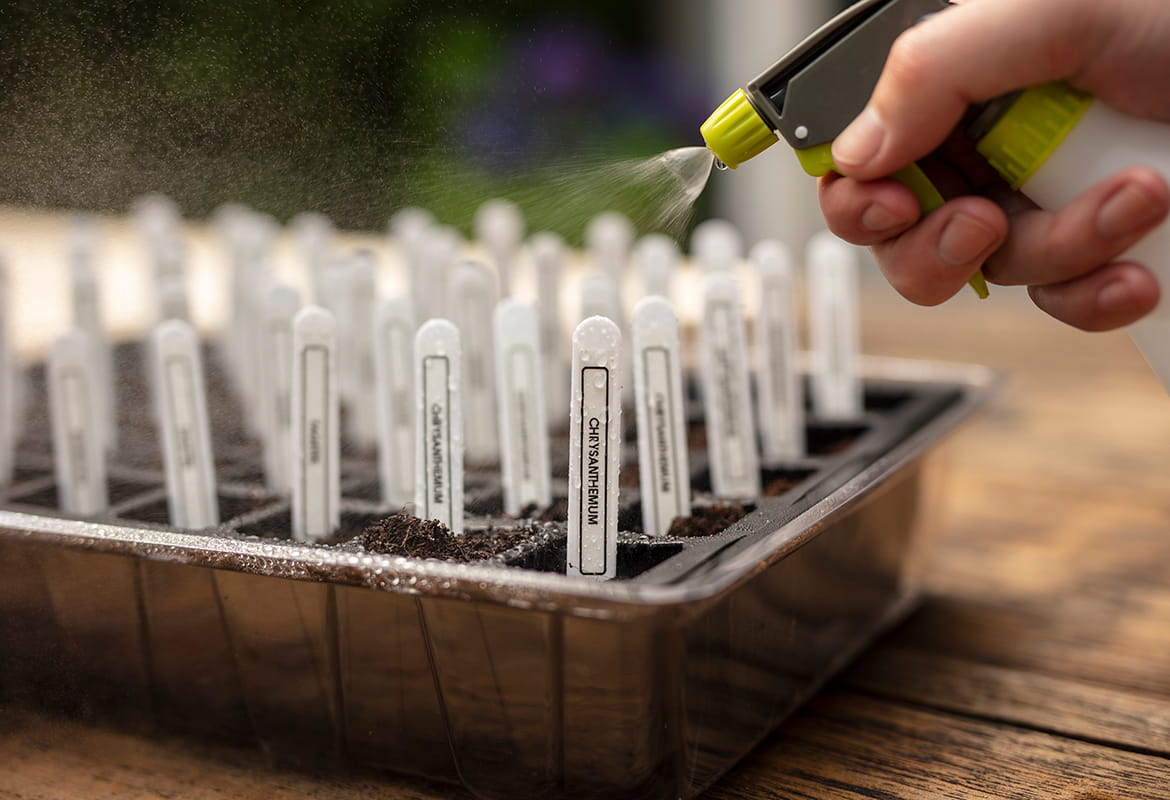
pixel 1095 228
pixel 1066 254
pixel 966 54
pixel 866 213
pixel 932 261
pixel 1110 297
pixel 928 260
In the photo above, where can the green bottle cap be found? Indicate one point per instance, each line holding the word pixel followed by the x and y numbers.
pixel 1031 129
pixel 736 132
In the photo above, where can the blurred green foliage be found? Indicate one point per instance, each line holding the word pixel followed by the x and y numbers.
pixel 348 107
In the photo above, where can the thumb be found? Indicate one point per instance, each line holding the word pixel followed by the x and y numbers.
pixel 967 54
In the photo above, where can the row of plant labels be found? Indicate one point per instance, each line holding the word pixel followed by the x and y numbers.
pixel 460 368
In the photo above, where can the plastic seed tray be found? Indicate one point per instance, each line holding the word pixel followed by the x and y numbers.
pixel 504 675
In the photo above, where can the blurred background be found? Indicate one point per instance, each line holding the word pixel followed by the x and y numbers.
pixel 354 108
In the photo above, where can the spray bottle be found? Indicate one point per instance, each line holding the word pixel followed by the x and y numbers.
pixel 1051 142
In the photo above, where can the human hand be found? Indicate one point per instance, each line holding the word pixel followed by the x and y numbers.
pixel 1119 52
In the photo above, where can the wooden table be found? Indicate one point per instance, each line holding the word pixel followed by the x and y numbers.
pixel 1037 667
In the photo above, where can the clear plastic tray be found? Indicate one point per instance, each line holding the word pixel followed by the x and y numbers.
pixel 504 675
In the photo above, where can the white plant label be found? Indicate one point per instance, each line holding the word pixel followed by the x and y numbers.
pixel 835 331
pixel 472 301
pixel 781 401
pixel 594 449
pixel 662 453
pixel 316 495
pixel 88 317
pixel 356 348
pixel 731 436
pixel 75 411
pixel 716 244
pixel 394 378
pixel 439 422
pixel 281 304
pixel 499 227
pixel 186 436
pixel 521 404
pixel 548 255
pixel 657 256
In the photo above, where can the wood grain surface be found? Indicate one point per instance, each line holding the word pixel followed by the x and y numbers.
pixel 1037 667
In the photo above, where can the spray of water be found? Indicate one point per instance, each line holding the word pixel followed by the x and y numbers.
pixel 683 173
pixel 657 194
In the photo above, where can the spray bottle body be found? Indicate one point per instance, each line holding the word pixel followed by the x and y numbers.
pixel 1103 142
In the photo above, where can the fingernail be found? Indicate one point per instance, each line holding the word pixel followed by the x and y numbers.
pixel 1127 211
pixel 964 240
pixel 879 219
pixel 1113 297
pixel 860 141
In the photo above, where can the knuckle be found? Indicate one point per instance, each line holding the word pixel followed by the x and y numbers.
pixel 911 59
pixel 1053 257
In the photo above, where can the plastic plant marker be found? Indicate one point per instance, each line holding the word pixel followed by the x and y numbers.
pixel 731 435
pixel 599 296
pixel 171 290
pixel 330 291
pixel 520 394
pixel 186 436
pixel 608 238
pixel 345 283
pixel 834 334
pixel 157 217
pixel 716 244
pixel 394 380
pixel 438 249
pixel 281 304
pixel 314 234
pixel 169 254
pixel 406 229
pixel 471 302
pixel 657 256
pixel 316 450
pixel 406 225
pixel 159 224
pixel 438 380
pixel 356 357
pixel 662 437
pixel 248 237
pixel 595 440
pixel 548 256
pixel 409 230
pixel 87 315
pixel 778 386
pixel 75 412
pixel 499 227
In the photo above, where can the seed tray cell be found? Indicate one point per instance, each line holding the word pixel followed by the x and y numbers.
pixel 504 675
